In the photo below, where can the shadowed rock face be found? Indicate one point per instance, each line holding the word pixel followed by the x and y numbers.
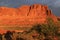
pixel 58 18
pixel 25 15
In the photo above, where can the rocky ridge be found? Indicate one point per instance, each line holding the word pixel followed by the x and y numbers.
pixel 25 15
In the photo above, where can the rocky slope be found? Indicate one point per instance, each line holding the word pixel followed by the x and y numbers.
pixel 25 15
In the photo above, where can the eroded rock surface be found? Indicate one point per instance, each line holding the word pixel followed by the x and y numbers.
pixel 25 15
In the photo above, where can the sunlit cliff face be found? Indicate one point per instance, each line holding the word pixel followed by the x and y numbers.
pixel 25 15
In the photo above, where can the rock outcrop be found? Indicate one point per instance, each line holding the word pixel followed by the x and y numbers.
pixel 25 15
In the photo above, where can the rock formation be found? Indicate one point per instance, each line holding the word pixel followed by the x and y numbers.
pixel 25 15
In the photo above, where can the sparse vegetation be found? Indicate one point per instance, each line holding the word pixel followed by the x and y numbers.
pixel 49 31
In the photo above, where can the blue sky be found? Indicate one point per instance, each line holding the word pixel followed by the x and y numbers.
pixel 54 5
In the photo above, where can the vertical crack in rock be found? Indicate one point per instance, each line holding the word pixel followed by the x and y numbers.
pixel 48 12
pixel 29 10
pixel 31 7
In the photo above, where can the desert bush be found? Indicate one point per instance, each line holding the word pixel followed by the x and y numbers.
pixel 48 30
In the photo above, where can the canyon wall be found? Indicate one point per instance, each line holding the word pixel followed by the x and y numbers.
pixel 25 15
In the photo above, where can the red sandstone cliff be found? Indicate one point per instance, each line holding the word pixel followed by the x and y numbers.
pixel 25 15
